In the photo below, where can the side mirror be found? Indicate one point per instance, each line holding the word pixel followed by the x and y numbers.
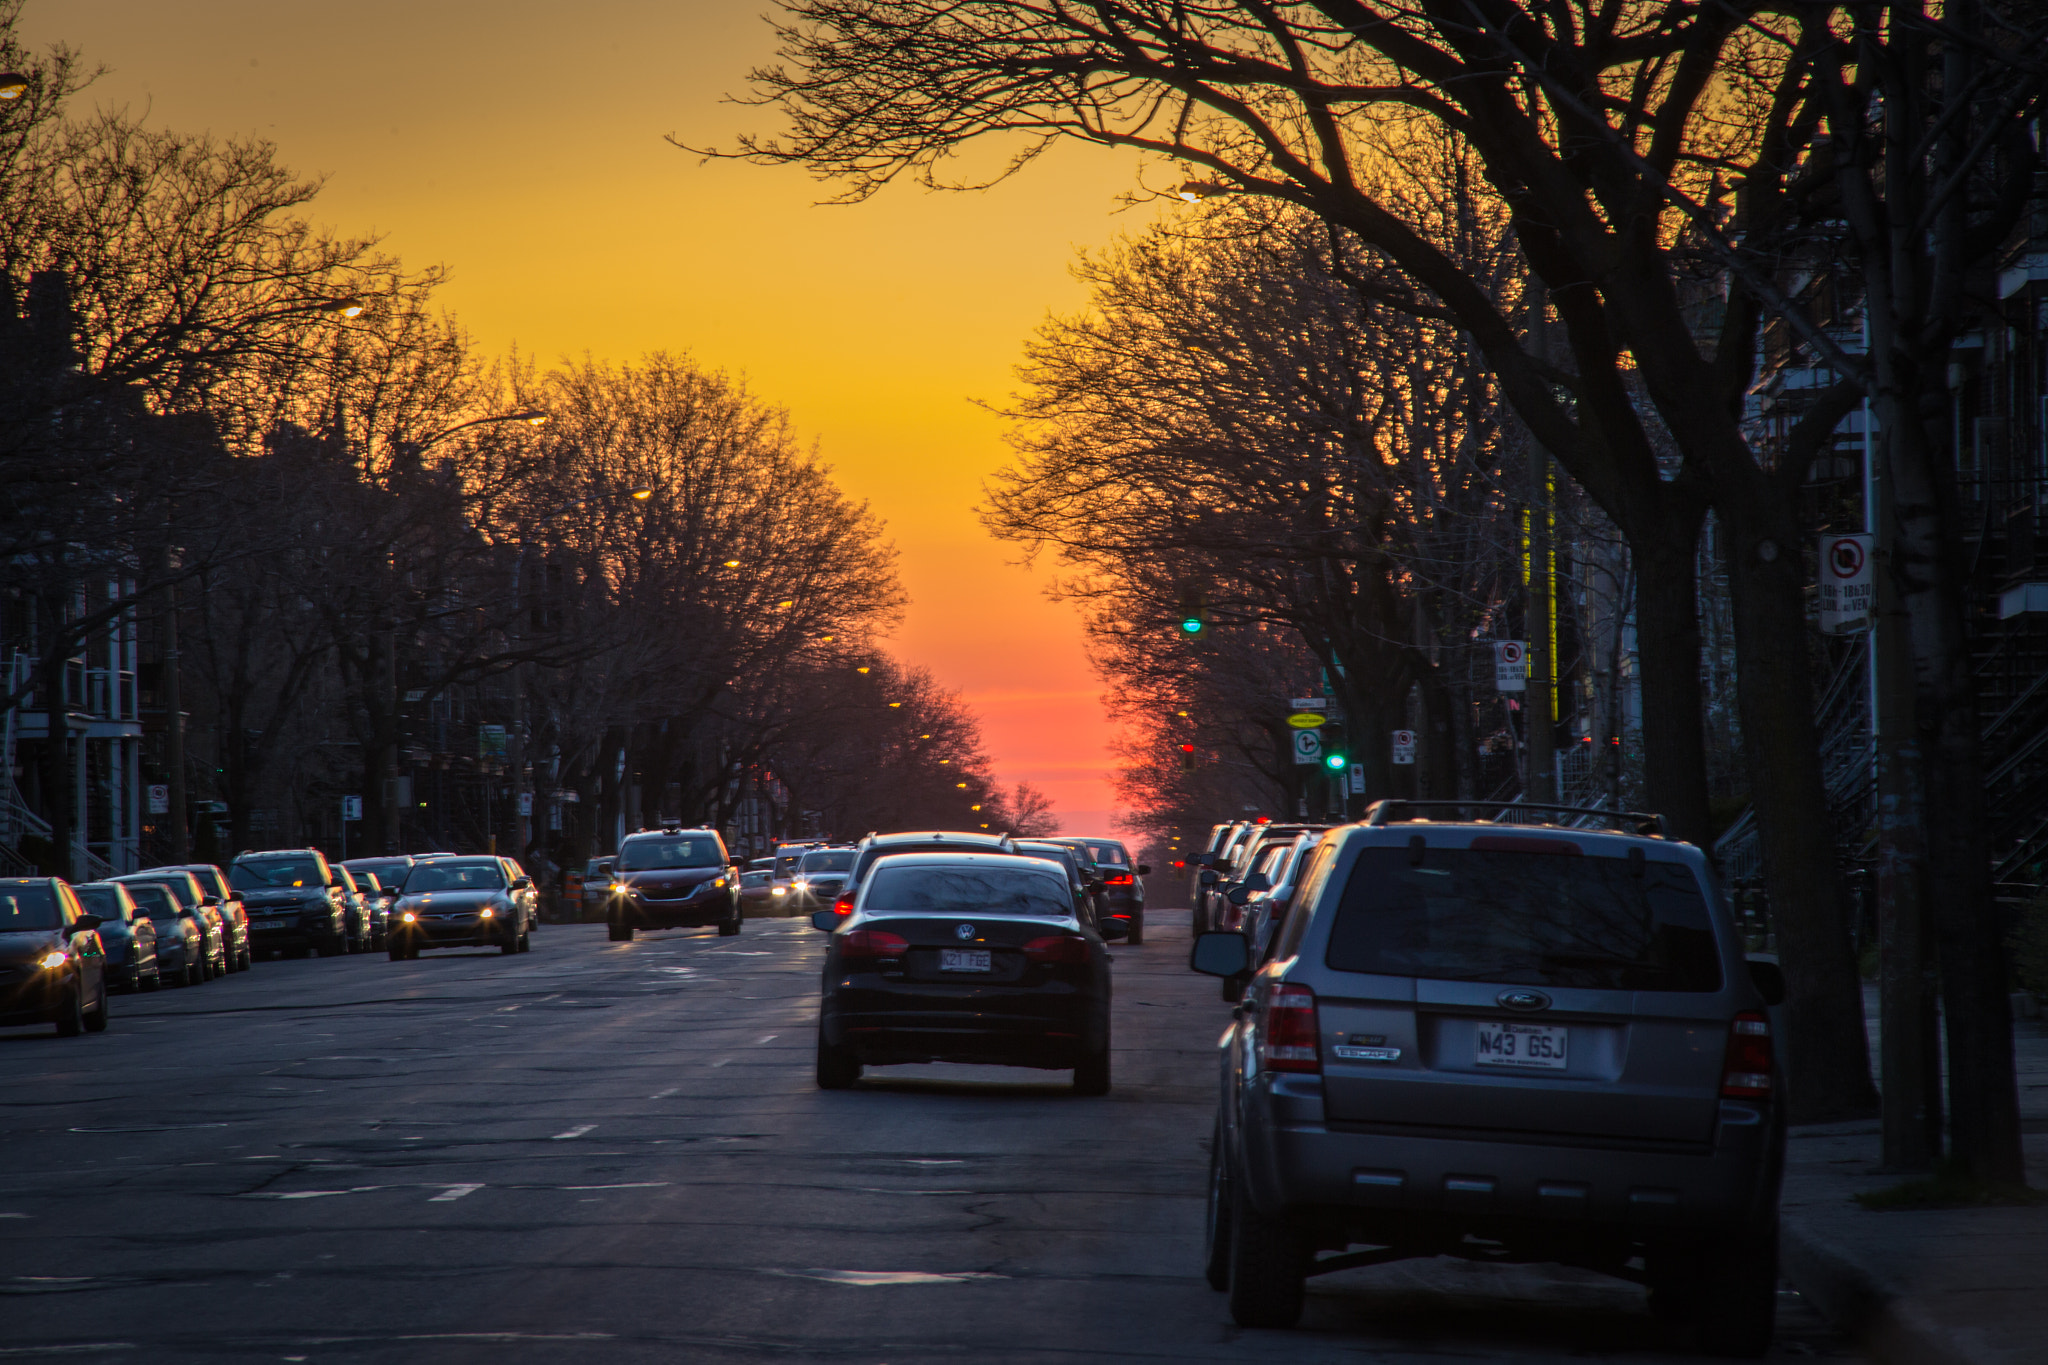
pixel 1210 876
pixel 1257 881
pixel 1204 859
pixel 85 922
pixel 1144 869
pixel 521 883
pixel 1238 895
pixel 1221 953
pixel 827 920
pixel 209 900
pixel 334 881
pixel 1769 979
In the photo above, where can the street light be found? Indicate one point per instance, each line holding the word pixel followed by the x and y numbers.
pixel 1195 191
pixel 13 85
pixel 350 307
pixel 533 417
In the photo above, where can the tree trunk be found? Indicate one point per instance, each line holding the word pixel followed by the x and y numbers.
pixel 58 796
pixel 1668 646
pixel 1826 1051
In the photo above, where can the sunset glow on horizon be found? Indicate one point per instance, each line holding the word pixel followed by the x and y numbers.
pixel 522 145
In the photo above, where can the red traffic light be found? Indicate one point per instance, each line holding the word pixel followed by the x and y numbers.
pixel 1187 748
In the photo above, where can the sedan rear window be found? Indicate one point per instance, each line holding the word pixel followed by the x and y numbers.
pixel 27 907
pixel 103 901
pixel 1112 854
pixel 966 891
pixel 829 862
pixel 1527 920
pixel 641 855
pixel 264 873
pixel 454 877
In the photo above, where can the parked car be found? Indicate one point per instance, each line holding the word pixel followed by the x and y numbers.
pixel 1545 1038
pixel 1265 912
pixel 464 902
pixel 193 902
pixel 127 936
pixel 1085 887
pixel 363 912
pixel 52 964
pixel 234 912
pixel 597 889
pixel 181 956
pixel 963 957
pixel 1241 856
pixel 389 874
pixel 757 896
pixel 1123 887
pixel 673 879
pixel 295 902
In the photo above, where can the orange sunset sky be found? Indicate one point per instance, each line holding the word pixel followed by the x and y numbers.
pixel 520 143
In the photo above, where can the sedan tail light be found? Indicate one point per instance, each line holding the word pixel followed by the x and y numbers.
pixel 871 943
pixel 1117 879
pixel 1746 1075
pixel 1066 948
pixel 843 906
pixel 1292 1037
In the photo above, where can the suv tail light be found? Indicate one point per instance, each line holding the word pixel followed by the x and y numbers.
pixel 843 906
pixel 867 943
pixel 1058 948
pixel 1746 1075
pixel 1118 879
pixel 1292 1037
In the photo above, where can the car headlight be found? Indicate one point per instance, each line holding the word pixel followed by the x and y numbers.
pixel 718 884
pixel 53 959
pixel 801 884
pixel 409 917
pixel 777 891
pixel 484 913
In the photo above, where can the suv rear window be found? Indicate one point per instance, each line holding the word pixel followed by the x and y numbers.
pixel 1525 919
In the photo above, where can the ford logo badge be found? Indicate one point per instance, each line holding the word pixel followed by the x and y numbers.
pixel 1522 1000
pixel 963 931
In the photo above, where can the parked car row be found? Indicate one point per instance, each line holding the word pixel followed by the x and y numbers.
pixel 1522 1034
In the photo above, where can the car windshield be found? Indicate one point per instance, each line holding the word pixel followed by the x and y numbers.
pixel 103 901
pixel 786 864
pixel 153 901
pixel 26 908
pixel 1053 853
pixel 478 876
pixel 838 860
pixel 1111 854
pixel 177 884
pixel 670 850
pixel 386 870
pixel 967 891
pixel 753 879
pixel 597 867
pixel 1529 919
pixel 263 874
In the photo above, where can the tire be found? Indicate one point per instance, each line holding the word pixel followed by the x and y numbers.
pixel 619 931
pixel 1268 1267
pixel 96 1022
pixel 68 1018
pixel 154 981
pixel 206 972
pixel 729 928
pixel 247 960
pixel 526 940
pixel 1091 1073
pixel 1216 1247
pixel 1737 1296
pixel 297 952
pixel 838 1068
pixel 1136 936
pixel 509 946
pixel 396 950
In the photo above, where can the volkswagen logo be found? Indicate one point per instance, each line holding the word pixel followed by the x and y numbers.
pixel 1522 1000
pixel 966 931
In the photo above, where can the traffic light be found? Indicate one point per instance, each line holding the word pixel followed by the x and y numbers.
pixel 1194 611
pixel 1335 762
pixel 1187 758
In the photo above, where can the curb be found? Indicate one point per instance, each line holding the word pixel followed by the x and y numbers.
pixel 1859 1302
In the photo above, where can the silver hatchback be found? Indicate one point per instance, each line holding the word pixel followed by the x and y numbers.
pixel 1504 1040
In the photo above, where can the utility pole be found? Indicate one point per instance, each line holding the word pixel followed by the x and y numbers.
pixel 387 757
pixel 174 717
pixel 1909 1058
pixel 1538 570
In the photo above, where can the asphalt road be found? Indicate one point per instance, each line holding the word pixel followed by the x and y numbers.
pixel 602 1152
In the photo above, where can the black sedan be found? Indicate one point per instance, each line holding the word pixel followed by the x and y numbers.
pixel 52 967
pixel 462 903
pixel 126 934
pixel 181 952
pixel 673 879
pixel 963 957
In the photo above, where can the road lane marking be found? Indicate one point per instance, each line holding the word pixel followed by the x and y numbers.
pixel 868 1279
pixel 454 1192
pixel 666 1093
pixel 578 1131
pixel 311 1194
pixel 769 1039
pixel 636 1185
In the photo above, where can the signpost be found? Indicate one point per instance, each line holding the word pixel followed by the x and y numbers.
pixel 1510 666
pixel 1309 703
pixel 159 798
pixel 351 809
pixel 1307 720
pixel 1404 746
pixel 490 741
pixel 1848 584
pixel 1308 747
pixel 1358 779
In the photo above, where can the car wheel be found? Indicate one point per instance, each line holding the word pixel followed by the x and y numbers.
pixel 154 981
pixel 1216 1247
pixel 1737 1295
pixel 248 960
pixel 1268 1266
pixel 1091 1073
pixel 1136 934
pixel 526 940
pixel 70 1022
pixel 838 1068
pixel 510 945
pixel 620 931
pixel 397 950
pixel 297 952
pixel 728 928
pixel 96 1022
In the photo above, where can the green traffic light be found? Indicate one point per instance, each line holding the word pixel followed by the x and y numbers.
pixel 1334 762
pixel 1192 625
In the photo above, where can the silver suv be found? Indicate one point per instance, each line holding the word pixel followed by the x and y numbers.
pixel 1508 1039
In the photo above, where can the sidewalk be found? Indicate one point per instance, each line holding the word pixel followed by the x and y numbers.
pixel 1936 1287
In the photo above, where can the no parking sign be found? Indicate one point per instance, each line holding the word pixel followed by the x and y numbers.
pixel 1510 666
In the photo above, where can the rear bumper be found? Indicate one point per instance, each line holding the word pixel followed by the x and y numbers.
pixel 1384 1182
pixel 1048 1025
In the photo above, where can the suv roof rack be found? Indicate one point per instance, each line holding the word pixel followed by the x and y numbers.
pixel 1396 812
